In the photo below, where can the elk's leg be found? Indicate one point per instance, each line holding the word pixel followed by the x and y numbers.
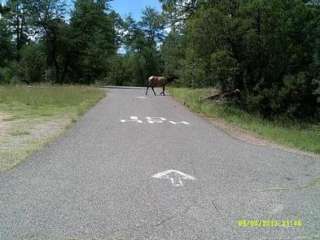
pixel 154 91
pixel 147 90
pixel 164 90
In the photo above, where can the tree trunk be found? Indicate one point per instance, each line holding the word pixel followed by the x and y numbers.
pixel 52 63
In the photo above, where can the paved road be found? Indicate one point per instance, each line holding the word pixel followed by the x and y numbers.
pixel 96 181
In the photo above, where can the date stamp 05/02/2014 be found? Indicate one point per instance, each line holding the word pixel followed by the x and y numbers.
pixel 255 223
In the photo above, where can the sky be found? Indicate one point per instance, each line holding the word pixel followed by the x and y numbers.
pixel 133 7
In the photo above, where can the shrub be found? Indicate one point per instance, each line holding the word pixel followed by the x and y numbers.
pixel 224 69
pixel 32 65
pixel 8 73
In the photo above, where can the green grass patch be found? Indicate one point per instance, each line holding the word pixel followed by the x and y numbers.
pixel 19 133
pixel 46 101
pixel 303 136
pixel 30 117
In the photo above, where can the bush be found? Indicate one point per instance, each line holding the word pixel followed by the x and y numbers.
pixel 117 72
pixel 224 69
pixel 298 96
pixel 8 73
pixel 5 75
pixel 31 68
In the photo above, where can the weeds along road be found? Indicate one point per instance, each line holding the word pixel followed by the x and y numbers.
pixel 137 167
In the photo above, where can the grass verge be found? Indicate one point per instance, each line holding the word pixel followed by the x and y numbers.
pixel 30 117
pixel 302 136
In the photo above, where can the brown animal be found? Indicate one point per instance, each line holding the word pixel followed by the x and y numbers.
pixel 156 81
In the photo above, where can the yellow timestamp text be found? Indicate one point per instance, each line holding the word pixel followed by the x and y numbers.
pixel 254 223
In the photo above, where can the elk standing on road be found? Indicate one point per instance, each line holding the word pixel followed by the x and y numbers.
pixel 156 81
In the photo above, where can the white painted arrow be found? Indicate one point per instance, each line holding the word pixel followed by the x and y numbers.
pixel 176 177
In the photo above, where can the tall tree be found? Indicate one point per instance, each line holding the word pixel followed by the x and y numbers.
pixel 94 41
pixel 142 40
pixel 6 48
pixel 17 21
pixel 46 17
pixel 152 24
pixel 173 52
pixel 180 10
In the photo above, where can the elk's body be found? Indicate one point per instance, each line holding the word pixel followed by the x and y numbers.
pixel 158 81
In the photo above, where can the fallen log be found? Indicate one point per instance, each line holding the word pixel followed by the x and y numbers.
pixel 223 95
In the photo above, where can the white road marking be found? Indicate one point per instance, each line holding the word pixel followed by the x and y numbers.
pixel 153 120
pixel 132 119
pixel 177 123
pixel 141 97
pixel 277 209
pixel 176 177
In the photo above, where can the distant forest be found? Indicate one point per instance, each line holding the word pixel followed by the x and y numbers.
pixel 268 49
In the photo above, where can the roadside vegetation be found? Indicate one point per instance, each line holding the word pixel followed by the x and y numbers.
pixel 269 50
pixel 30 117
pixel 293 134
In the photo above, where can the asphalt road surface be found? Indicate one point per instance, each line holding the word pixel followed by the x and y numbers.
pixel 120 174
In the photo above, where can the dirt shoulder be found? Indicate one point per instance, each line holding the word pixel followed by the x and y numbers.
pixel 20 138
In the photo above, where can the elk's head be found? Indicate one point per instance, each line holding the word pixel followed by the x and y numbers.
pixel 172 78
